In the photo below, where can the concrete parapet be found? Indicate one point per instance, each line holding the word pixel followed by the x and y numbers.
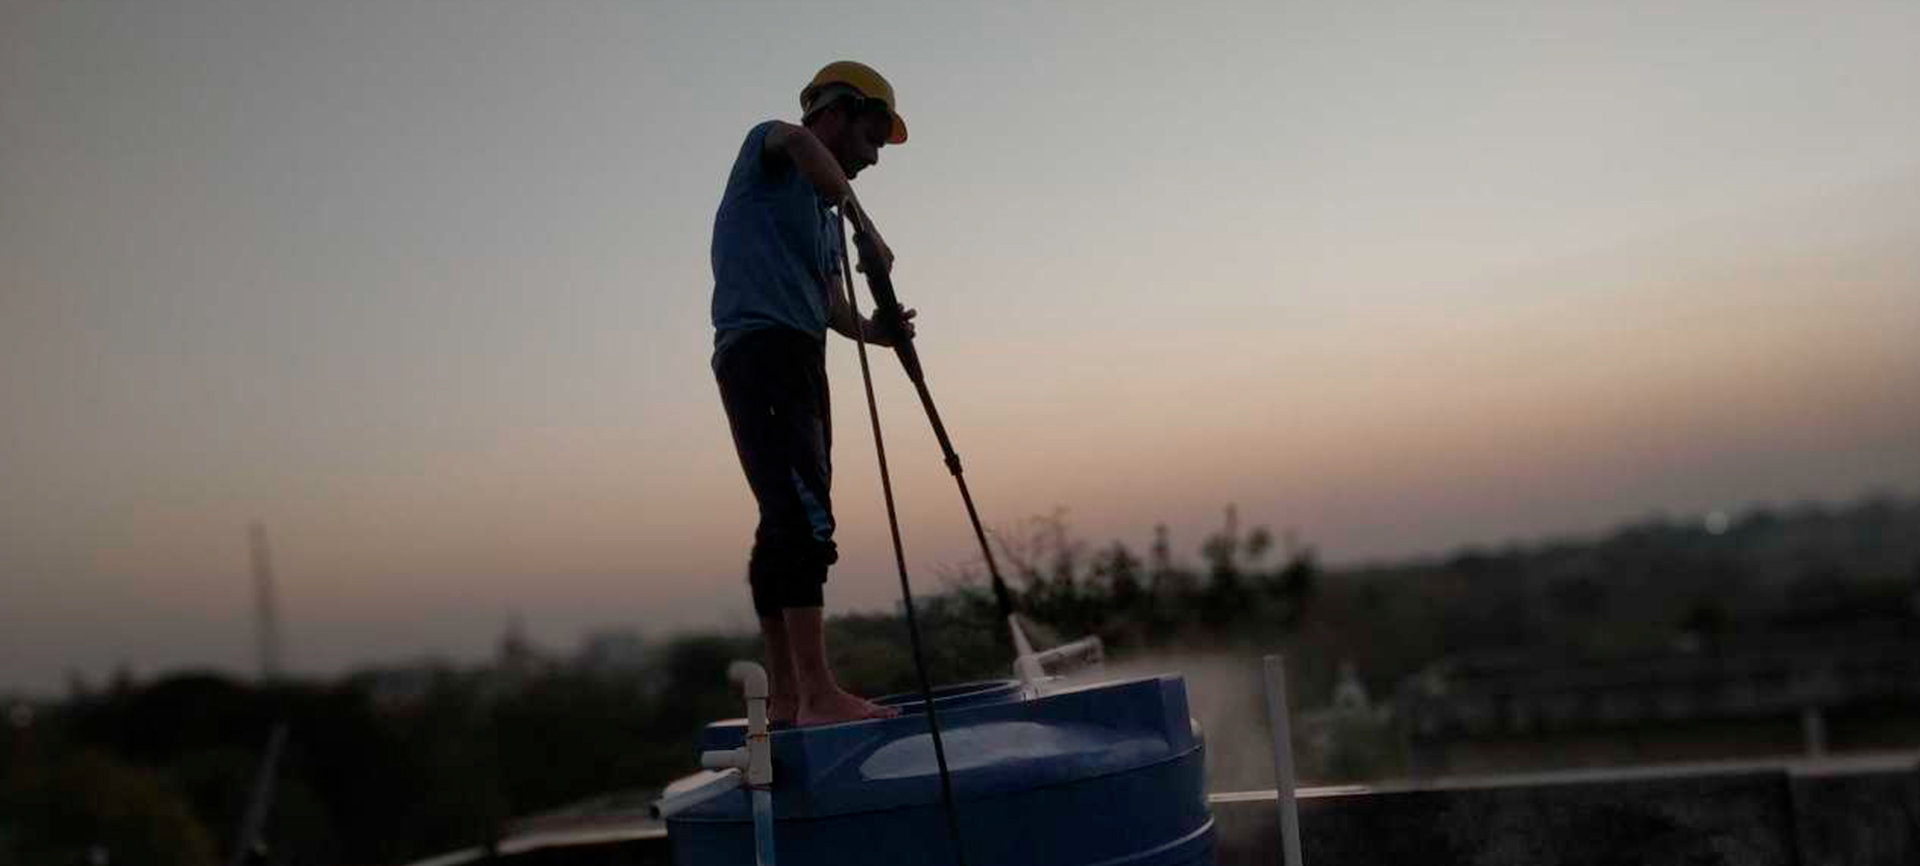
pixel 1738 816
pixel 1866 817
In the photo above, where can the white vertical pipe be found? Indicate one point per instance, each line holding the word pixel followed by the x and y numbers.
pixel 1283 780
pixel 756 759
pixel 1813 730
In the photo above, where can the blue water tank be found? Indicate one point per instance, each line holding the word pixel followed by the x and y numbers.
pixel 1101 775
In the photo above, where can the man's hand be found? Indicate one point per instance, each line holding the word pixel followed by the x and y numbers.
pixel 886 331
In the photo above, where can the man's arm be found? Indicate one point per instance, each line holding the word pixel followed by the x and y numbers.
pixel 814 162
pixel 842 319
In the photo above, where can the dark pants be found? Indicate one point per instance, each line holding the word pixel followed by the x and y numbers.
pixel 773 383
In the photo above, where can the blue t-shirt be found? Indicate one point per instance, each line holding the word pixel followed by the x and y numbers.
pixel 776 248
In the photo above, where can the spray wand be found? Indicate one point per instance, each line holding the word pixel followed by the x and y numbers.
pixel 1028 665
pixel 889 314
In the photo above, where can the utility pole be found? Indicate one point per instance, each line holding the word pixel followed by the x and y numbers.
pixel 265 607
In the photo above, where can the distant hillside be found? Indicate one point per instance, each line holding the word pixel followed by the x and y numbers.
pixel 1764 573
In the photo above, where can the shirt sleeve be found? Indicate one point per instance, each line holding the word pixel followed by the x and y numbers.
pixel 756 144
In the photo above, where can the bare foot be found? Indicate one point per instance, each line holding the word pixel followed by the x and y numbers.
pixel 838 706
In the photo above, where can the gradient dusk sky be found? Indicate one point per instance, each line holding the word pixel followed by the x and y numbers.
pixel 423 286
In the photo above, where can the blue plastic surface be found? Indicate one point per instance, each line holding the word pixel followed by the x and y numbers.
pixel 730 733
pixel 1102 775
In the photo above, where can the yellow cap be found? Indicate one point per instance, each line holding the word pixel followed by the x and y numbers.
pixel 865 79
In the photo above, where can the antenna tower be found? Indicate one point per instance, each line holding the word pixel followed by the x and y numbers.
pixel 266 616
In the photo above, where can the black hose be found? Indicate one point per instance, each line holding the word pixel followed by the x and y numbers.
pixel 893 520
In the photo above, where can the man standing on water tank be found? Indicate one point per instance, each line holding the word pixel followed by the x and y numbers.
pixel 776 280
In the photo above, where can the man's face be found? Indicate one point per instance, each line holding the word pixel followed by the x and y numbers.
pixel 866 132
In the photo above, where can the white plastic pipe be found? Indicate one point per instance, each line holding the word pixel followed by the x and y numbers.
pixel 1088 649
pixel 1030 667
pixel 750 766
pixel 1025 668
pixel 757 756
pixel 759 763
pixel 1283 779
